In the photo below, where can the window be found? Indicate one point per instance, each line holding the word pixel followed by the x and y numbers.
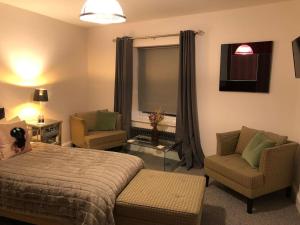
pixel 158 79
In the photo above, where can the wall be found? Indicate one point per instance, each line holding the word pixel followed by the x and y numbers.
pixel 37 51
pixel 278 111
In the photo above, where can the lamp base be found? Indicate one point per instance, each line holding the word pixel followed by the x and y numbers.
pixel 41 119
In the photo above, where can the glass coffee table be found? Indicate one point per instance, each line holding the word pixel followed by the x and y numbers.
pixel 160 156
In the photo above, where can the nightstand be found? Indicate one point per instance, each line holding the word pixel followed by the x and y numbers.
pixel 47 132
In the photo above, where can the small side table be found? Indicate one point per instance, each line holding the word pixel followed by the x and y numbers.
pixel 160 156
pixel 48 132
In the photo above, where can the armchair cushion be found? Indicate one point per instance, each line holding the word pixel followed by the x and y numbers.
pixel 248 133
pixel 226 142
pixel 90 118
pixel 235 168
pixel 255 147
pixel 106 121
pixel 97 138
pixel 245 136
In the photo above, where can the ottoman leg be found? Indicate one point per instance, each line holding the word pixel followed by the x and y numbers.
pixel 249 205
pixel 207 180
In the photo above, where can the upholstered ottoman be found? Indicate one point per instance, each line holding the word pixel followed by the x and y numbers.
pixel 161 198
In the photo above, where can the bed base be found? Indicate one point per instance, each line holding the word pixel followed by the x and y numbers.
pixel 32 218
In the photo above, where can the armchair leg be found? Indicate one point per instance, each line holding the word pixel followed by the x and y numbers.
pixel 249 205
pixel 207 180
pixel 288 192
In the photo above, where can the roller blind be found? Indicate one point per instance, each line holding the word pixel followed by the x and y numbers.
pixel 158 79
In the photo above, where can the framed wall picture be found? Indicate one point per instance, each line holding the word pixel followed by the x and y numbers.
pixel 246 67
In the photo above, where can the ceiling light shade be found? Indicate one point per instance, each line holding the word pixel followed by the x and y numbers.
pixel 102 12
pixel 244 50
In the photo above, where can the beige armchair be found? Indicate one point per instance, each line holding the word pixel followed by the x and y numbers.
pixel 83 135
pixel 275 171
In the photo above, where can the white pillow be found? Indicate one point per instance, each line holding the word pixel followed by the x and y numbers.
pixel 8 147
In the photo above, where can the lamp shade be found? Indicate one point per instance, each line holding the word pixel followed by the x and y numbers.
pixel 40 95
pixel 244 50
pixel 102 12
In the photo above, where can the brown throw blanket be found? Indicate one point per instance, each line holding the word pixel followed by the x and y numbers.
pixel 77 185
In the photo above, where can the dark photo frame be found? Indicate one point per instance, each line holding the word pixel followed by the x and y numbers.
pixel 246 67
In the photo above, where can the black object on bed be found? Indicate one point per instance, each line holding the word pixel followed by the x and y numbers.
pixel 2 113
pixel 19 134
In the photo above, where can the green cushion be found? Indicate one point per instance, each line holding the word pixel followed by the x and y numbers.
pixel 255 147
pixel 106 121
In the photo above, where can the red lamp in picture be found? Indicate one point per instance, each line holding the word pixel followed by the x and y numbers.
pixel 40 95
pixel 244 50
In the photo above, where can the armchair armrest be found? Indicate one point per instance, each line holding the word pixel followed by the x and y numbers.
pixel 277 165
pixel 226 142
pixel 78 131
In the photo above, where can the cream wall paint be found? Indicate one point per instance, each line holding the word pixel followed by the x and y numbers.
pixel 55 52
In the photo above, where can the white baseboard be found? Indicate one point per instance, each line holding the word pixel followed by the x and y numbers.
pixel 67 144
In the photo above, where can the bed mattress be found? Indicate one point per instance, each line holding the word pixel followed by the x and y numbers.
pixel 77 185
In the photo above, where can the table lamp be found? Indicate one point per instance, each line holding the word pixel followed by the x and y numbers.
pixel 40 95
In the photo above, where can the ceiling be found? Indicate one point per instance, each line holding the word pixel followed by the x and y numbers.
pixel 135 10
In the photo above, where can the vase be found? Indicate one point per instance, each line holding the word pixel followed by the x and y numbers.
pixel 154 135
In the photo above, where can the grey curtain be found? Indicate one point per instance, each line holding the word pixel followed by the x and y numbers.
pixel 187 126
pixel 123 81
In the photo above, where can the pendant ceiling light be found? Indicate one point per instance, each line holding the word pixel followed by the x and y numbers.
pixel 244 50
pixel 102 12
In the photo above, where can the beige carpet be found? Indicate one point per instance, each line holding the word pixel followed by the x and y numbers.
pixel 225 207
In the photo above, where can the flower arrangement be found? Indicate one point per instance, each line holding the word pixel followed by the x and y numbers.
pixel 155 118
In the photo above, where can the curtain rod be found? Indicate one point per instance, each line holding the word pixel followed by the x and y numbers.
pixel 199 32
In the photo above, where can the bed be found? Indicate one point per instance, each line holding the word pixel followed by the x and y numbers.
pixel 53 185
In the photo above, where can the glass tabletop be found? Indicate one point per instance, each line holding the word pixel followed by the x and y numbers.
pixel 162 144
pixel 158 156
